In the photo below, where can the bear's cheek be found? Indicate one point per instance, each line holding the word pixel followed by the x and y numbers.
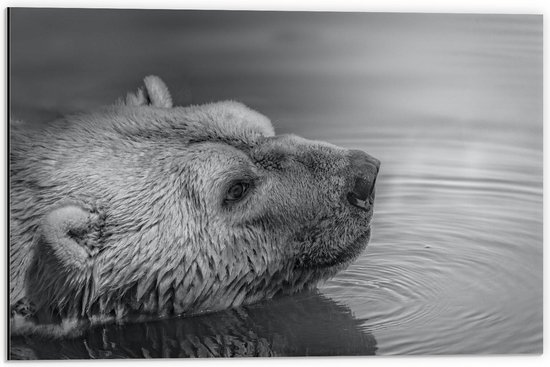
pixel 261 241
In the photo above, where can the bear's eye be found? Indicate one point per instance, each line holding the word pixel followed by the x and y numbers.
pixel 237 191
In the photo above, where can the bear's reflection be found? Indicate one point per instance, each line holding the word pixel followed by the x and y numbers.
pixel 301 325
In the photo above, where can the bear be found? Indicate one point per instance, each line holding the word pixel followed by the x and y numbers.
pixel 142 210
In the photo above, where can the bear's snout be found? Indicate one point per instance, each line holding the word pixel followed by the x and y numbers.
pixel 364 169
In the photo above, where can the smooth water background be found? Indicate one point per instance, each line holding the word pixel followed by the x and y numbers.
pixel 451 105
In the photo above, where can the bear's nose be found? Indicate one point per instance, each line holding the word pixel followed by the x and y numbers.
pixel 364 169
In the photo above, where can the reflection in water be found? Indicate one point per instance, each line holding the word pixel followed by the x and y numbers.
pixel 450 103
pixel 288 326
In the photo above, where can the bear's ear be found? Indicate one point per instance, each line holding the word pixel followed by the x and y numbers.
pixel 63 275
pixel 70 234
pixel 155 94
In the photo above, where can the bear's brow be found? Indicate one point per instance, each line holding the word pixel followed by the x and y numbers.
pixel 246 144
pixel 269 159
pixel 236 143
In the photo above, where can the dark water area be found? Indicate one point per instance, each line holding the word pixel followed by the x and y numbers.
pixel 451 105
pixel 289 326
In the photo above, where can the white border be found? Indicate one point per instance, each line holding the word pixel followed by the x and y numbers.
pixel 417 6
pixel 431 6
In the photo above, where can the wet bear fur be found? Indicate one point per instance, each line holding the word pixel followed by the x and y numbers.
pixel 124 213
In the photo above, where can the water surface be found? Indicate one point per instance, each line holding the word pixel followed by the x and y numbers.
pixel 451 105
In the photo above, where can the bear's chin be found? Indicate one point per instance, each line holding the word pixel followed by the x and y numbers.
pixel 353 250
pixel 338 260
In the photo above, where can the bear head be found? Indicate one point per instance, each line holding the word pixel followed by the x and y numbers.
pixel 145 208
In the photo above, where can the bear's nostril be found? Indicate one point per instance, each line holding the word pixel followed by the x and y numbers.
pixel 362 188
pixel 362 194
pixel 364 204
pixel 364 170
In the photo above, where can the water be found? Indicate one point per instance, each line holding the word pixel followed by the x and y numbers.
pixel 451 105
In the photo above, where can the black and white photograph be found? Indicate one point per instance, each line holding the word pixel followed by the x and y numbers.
pixel 186 183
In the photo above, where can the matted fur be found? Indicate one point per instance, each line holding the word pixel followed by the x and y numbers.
pixel 121 212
